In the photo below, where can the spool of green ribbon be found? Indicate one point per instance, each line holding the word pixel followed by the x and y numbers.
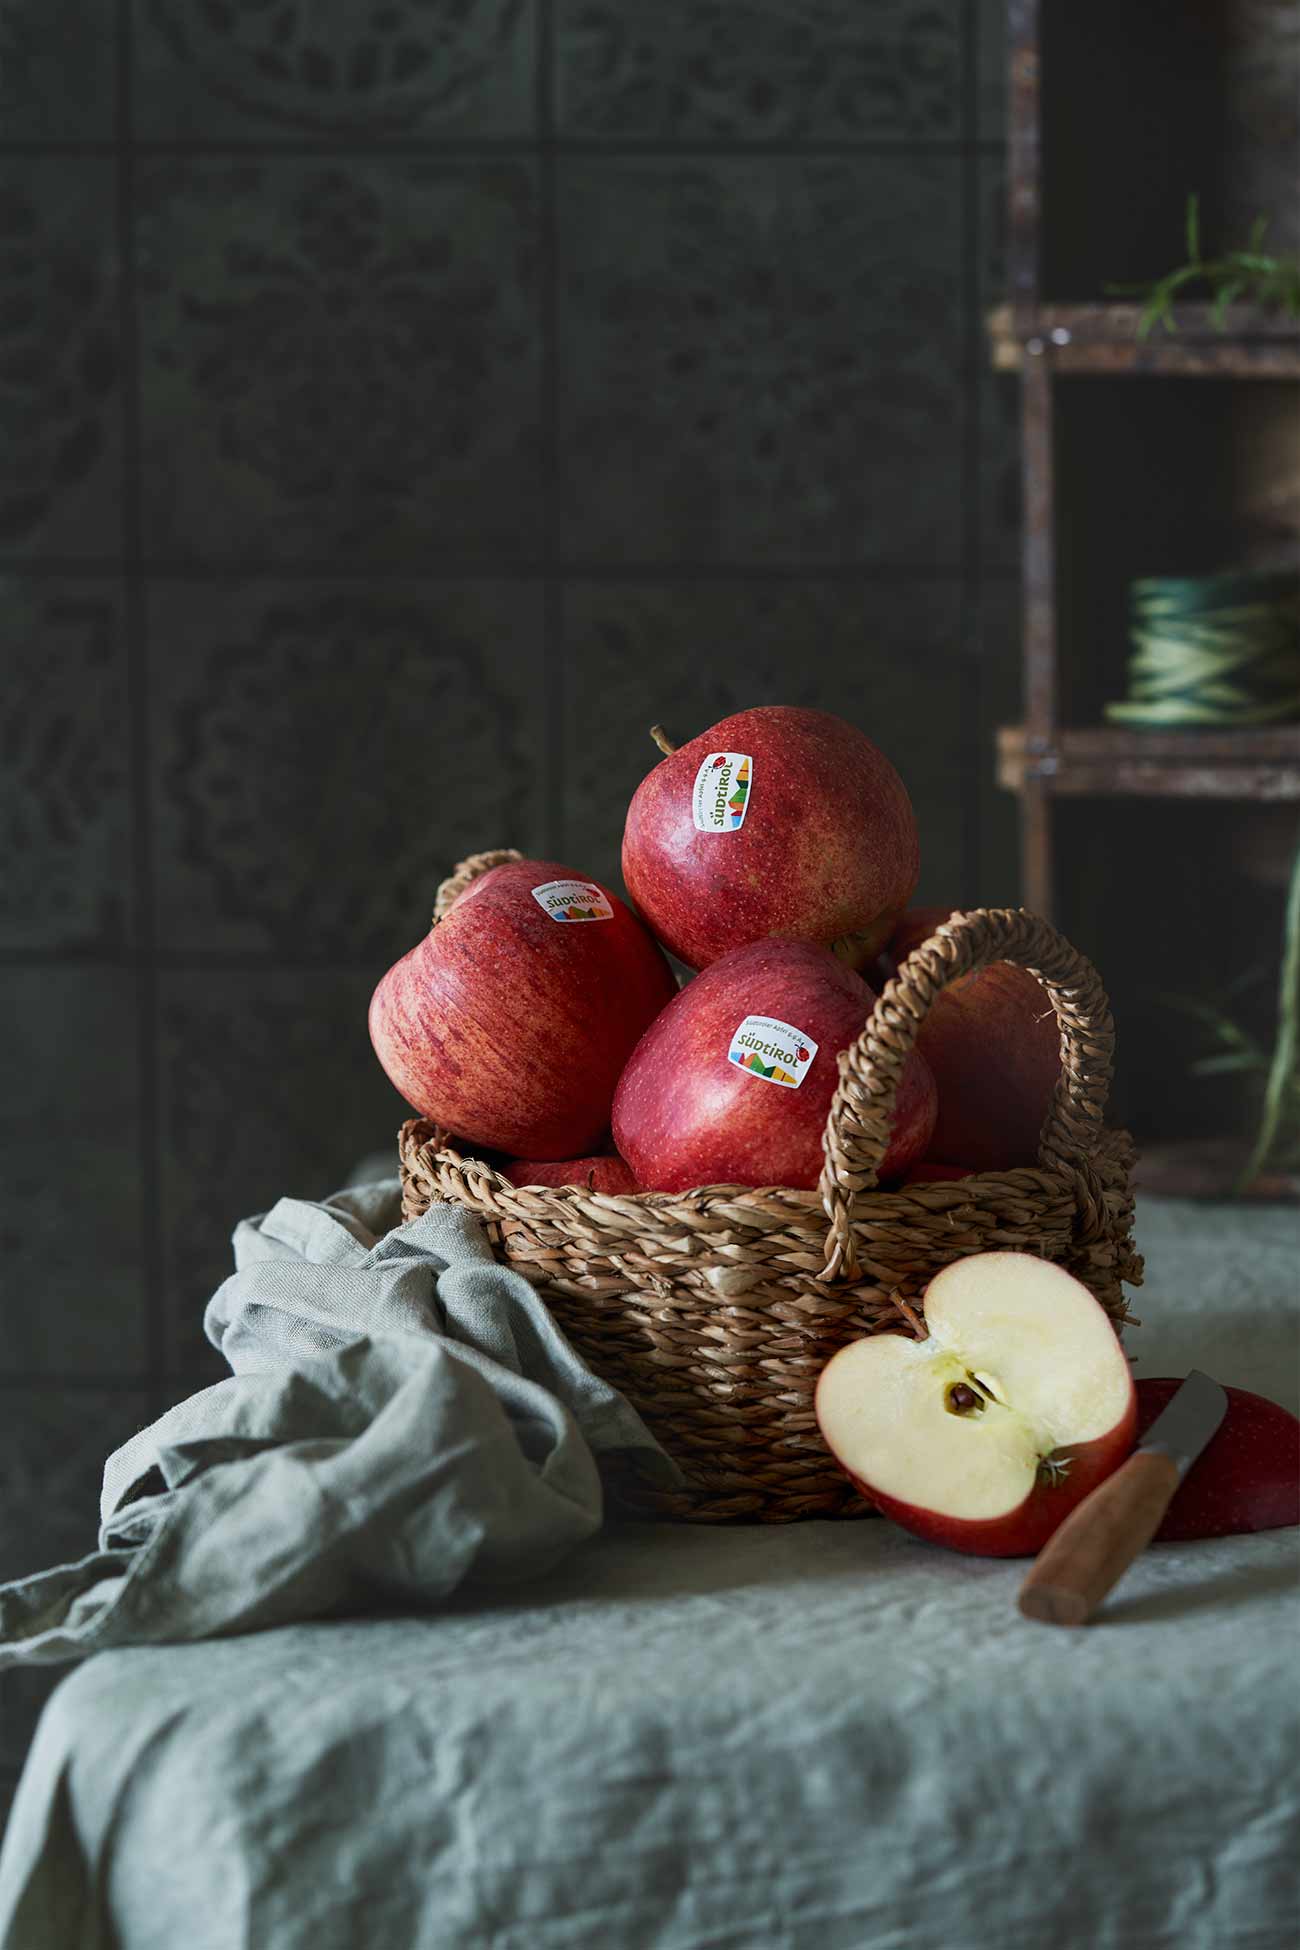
pixel 1219 650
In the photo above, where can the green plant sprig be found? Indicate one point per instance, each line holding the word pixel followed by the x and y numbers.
pixel 1251 276
pixel 1279 1127
pixel 1276 1143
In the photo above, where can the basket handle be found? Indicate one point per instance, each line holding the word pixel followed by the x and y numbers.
pixel 466 874
pixel 857 1129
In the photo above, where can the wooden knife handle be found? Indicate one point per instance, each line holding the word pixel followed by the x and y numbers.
pixel 1098 1541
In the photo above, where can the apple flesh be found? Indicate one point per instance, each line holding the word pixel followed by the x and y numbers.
pixel 1247 1477
pixel 510 1027
pixel 601 1173
pixel 706 1100
pixel 992 1041
pixel 817 843
pixel 986 1435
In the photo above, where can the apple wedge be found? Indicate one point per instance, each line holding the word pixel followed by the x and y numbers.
pixel 1246 1478
pixel 984 1436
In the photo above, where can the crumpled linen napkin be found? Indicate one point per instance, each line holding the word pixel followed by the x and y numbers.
pixel 403 1418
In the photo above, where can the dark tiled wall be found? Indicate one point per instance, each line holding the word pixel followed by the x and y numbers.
pixel 403 407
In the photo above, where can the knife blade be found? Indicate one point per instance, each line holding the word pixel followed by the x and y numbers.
pixel 1086 1556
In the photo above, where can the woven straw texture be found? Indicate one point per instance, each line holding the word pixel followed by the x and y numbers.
pixel 714 1311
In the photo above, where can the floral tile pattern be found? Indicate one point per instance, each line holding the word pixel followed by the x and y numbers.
pixel 687 655
pixel 270 1088
pixel 65 788
pixel 1000 704
pixel 991 70
pixel 53 1446
pixel 60 455
pixel 326 754
pixel 288 308
pixel 401 69
pixel 70 1141
pixel 761 360
pixel 759 70
pixel 999 391
pixel 57 82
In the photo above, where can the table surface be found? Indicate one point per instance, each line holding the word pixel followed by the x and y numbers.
pixel 824 1734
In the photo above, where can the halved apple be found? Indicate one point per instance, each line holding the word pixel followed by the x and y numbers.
pixel 986 1435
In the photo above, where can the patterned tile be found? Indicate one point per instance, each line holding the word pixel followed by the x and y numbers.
pixel 269 1088
pixel 372 70
pixel 326 753
pixel 57 71
pixel 992 63
pixel 60 455
pixel 761 360
pixel 1000 504
pixel 71 1215
pixel 340 361
pixel 65 807
pixel 53 1446
pixel 759 70
pixel 687 654
pixel 1000 704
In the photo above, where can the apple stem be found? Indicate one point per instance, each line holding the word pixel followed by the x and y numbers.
pixel 662 739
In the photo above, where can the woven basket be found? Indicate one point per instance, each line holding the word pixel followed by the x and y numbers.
pixel 714 1311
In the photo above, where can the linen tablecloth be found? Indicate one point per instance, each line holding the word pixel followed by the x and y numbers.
pixel 821 1735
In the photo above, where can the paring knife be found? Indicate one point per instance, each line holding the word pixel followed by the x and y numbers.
pixel 1089 1553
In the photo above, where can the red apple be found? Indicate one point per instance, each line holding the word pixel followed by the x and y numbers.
pixel 993 1044
pixel 510 1023
pixel 986 1435
pixel 777 821
pixel 732 1083
pixel 1246 1478
pixel 602 1173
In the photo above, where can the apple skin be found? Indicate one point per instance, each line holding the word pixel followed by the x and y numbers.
pixel 1246 1478
pixel 603 1172
pixel 828 850
pixel 684 1115
pixel 993 1044
pixel 1021 1532
pixel 510 1029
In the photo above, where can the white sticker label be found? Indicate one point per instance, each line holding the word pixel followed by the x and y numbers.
pixel 721 796
pixel 572 900
pixel 775 1051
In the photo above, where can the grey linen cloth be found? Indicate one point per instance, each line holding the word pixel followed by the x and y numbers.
pixel 808 1736
pixel 403 1418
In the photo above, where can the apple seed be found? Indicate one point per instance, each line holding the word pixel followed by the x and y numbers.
pixel 958 1399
